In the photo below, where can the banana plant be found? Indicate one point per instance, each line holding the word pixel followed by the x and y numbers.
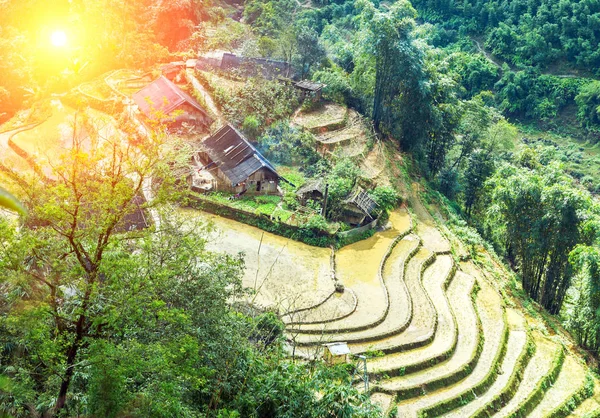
pixel 10 202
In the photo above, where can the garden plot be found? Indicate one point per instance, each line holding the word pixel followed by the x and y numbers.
pixel 327 117
pixel 358 267
pixel 570 380
pixel 445 340
pixel 489 306
pixel 217 81
pixel 538 367
pixel 517 347
pixel 398 314
pixel 351 140
pixel 286 274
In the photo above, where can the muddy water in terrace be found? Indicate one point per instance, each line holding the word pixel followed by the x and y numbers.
pixel 291 274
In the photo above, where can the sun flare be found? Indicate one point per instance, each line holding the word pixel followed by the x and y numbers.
pixel 58 38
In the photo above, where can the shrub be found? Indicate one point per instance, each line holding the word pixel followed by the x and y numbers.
pixel 251 126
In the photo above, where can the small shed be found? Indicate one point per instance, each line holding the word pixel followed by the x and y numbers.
pixel 310 89
pixel 162 100
pixel 236 165
pixel 311 190
pixel 336 353
pixel 359 207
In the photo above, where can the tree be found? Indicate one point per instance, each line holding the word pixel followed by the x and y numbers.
pixel 480 166
pixel 401 101
pixel 310 51
pixel 77 211
pixel 541 217
pixel 583 319
pixel 588 104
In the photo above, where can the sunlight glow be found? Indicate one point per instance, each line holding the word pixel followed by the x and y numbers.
pixel 59 38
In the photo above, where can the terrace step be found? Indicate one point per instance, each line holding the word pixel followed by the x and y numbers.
pixel 423 326
pixel 335 308
pixel 590 408
pixel 393 272
pixel 548 356
pixel 518 353
pixel 469 332
pixel 495 333
pixel 398 317
pixel 384 401
pixel 566 389
pixel 451 315
pixel 365 279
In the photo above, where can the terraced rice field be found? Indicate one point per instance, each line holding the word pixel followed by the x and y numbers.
pixel 439 337
pixel 448 346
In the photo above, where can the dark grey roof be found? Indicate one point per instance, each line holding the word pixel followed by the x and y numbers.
pixel 234 155
pixel 363 201
pixel 309 85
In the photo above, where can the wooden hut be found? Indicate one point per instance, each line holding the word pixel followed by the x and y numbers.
pixel 358 208
pixel 172 69
pixel 310 89
pixel 163 101
pixel 235 165
pixel 312 190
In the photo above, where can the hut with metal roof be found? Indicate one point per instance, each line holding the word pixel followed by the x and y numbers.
pixel 336 353
pixel 358 208
pixel 310 89
pixel 163 101
pixel 235 165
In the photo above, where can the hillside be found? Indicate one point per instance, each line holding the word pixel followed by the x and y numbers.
pixel 276 208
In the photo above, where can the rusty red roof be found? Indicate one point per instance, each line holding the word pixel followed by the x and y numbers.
pixel 162 95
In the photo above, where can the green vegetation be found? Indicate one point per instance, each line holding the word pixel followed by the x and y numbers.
pixel 98 318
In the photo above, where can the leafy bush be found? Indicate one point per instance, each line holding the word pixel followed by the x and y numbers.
pixel 386 197
pixel 267 102
pixel 251 126
pixel 288 145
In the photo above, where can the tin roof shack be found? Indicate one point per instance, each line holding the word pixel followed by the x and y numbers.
pixel 336 353
pixel 235 165
pixel 358 208
pixel 163 101
pixel 312 190
pixel 309 89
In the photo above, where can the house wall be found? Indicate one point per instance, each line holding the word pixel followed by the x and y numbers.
pixel 268 181
pixel 256 66
pixel 192 115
